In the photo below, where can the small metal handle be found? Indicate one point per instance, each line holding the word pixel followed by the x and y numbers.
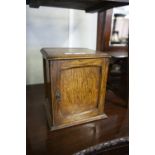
pixel 58 95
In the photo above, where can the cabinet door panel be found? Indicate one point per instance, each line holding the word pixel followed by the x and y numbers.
pixel 77 89
pixel 80 88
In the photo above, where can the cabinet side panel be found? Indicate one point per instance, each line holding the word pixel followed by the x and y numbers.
pixel 47 83
pixel 45 77
pixel 54 73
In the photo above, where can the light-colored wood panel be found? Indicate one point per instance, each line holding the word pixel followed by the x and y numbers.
pixel 80 87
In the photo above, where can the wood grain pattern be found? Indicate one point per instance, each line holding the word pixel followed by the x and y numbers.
pixel 80 84
pixel 78 87
pixel 71 53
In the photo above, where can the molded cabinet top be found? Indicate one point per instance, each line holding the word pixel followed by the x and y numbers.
pixel 71 53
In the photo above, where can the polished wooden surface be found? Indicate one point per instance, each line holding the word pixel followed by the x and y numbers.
pixel 87 5
pixel 71 53
pixel 73 139
pixel 77 86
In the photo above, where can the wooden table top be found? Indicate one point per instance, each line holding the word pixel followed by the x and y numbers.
pixel 73 139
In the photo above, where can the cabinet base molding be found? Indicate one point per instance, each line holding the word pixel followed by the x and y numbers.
pixel 99 117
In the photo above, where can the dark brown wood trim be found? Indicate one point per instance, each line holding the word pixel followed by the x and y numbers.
pixel 100 31
pixel 103 32
pixel 103 29
pixel 87 5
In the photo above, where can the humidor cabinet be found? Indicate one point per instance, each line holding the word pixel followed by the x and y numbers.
pixel 75 85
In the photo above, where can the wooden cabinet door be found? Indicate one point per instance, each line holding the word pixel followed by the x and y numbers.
pixel 78 89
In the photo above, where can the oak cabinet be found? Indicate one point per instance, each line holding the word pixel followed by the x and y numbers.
pixel 75 84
